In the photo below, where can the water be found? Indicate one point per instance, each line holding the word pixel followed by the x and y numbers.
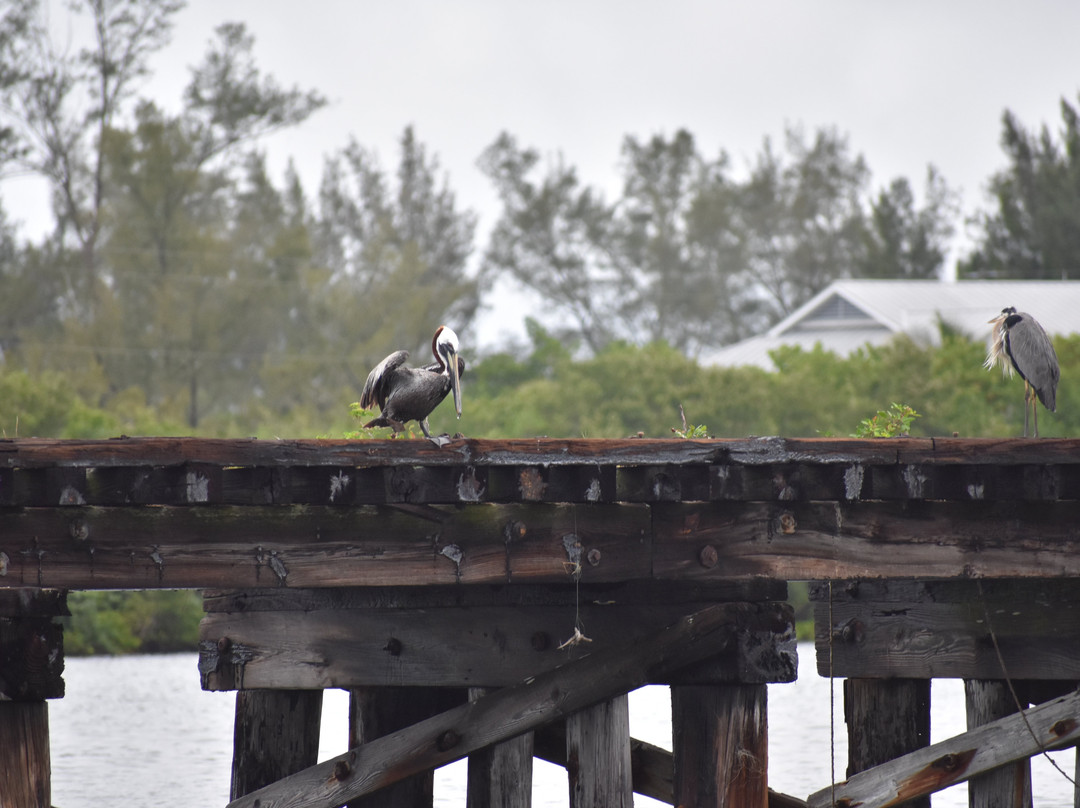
pixel 136 731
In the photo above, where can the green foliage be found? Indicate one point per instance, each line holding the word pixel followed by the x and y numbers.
pixel 892 423
pixel 132 622
pixel 1032 232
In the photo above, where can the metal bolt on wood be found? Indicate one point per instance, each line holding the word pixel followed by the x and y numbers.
pixel 708 557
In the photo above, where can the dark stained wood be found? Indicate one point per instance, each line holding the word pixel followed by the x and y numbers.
pixel 501 774
pixel 24 754
pixel 1054 724
pixel 721 747
pixel 501 715
pixel 886 719
pixel 276 733
pixel 241 547
pixel 598 755
pixel 485 646
pixel 567 593
pixel 1008 786
pixel 816 541
pixel 32 653
pixel 375 712
pixel 940 629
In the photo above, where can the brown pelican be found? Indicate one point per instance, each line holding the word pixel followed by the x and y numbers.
pixel 1020 342
pixel 410 394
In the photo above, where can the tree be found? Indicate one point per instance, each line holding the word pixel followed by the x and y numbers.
pixel 401 249
pixel 1033 232
pixel 905 242
pixel 692 256
pixel 61 106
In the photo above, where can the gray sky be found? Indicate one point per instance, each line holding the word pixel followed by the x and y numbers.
pixel 909 83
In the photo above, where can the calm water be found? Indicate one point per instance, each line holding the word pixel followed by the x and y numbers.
pixel 136 731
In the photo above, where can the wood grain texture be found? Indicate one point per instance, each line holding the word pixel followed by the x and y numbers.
pixel 471 646
pixel 1053 724
pixel 501 715
pixel 24 755
pixel 598 755
pixel 721 745
pixel 1007 786
pixel 275 733
pixel 943 629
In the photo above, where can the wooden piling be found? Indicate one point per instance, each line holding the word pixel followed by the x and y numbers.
pixel 1008 786
pixel 276 733
pixel 500 774
pixel 721 745
pixel 886 718
pixel 598 755
pixel 375 712
pixel 24 754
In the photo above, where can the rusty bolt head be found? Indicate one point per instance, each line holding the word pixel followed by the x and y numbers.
pixel 342 770
pixel 593 556
pixel 540 641
pixel 224 644
pixel 708 557
pixel 393 646
pixel 447 741
pixel 1063 727
pixel 787 523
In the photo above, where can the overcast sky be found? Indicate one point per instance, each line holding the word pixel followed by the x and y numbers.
pixel 910 84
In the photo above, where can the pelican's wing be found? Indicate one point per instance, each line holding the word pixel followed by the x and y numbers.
pixel 375 388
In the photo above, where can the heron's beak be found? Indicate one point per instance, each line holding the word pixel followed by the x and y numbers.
pixel 455 382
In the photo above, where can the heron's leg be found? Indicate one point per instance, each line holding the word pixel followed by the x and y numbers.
pixel 1027 401
pixel 1035 411
pixel 424 426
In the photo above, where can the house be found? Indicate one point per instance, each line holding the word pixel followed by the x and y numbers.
pixel 848 314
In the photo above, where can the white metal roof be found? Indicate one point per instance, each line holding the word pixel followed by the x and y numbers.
pixel 848 314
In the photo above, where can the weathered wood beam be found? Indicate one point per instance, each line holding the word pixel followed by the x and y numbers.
pixel 886 719
pixel 486 646
pixel 819 541
pixel 501 715
pixel 171 471
pixel 1049 725
pixel 721 745
pixel 24 754
pixel 598 755
pixel 275 733
pixel 943 629
pixel 652 767
pixel 243 547
pixel 1006 786
pixel 309 546
pixel 501 774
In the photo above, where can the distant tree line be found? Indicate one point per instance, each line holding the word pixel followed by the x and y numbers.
pixel 183 289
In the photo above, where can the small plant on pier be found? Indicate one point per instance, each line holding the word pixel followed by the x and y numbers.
pixel 894 423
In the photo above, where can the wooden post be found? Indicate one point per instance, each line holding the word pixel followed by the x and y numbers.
pixel 598 755
pixel 500 774
pixel 721 746
pixel 24 754
pixel 1009 786
pixel 886 718
pixel 276 733
pixel 378 711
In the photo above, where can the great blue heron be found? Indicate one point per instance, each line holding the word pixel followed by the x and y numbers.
pixel 1020 343
pixel 410 394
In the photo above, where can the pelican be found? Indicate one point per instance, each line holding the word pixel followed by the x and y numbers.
pixel 1019 342
pixel 410 394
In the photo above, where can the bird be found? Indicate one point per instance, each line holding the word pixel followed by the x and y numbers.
pixel 1019 342
pixel 406 394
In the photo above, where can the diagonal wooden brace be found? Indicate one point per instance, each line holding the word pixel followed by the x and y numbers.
pixel 503 714
pixel 1054 723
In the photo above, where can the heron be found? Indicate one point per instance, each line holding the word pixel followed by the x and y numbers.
pixel 1019 342
pixel 411 394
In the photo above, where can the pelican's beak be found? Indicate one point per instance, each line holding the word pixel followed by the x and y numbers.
pixel 455 382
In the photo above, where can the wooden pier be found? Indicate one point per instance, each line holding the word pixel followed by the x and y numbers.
pixel 497 600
